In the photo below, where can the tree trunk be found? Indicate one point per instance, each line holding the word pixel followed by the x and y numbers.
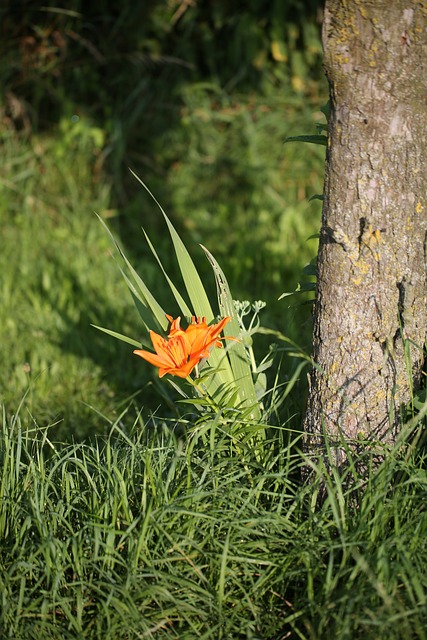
pixel 370 311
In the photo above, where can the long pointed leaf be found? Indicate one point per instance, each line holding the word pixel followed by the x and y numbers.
pixel 120 336
pixel 142 305
pixel 198 298
pixel 147 297
pixel 192 281
pixel 242 373
pixel 138 284
pixel 178 297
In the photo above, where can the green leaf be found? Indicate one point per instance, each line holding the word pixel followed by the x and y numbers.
pixel 178 297
pixel 310 269
pixel 313 139
pixel 145 314
pixel 326 109
pixel 321 127
pixel 199 300
pixel 138 287
pixel 192 281
pixel 240 366
pixel 302 287
pixel 120 336
pixel 146 297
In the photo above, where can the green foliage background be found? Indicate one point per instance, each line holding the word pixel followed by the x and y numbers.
pixel 197 98
pixel 139 531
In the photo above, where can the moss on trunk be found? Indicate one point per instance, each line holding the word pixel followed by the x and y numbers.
pixel 371 305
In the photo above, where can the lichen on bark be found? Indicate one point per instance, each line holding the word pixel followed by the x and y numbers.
pixel 371 302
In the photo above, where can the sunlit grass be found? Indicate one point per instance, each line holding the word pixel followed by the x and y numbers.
pixel 55 279
pixel 56 273
pixel 191 527
pixel 146 534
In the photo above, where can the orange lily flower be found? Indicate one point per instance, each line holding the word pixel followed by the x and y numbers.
pixel 181 351
pixel 202 337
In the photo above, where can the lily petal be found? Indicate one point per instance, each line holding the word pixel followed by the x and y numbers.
pixel 181 351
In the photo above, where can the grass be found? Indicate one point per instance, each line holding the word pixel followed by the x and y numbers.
pixel 56 277
pixel 146 534
pixel 224 168
pixel 116 523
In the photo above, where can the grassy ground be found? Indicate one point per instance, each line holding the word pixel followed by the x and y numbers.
pixel 56 278
pixel 148 535
pixel 147 526
pixel 177 529
pixel 225 178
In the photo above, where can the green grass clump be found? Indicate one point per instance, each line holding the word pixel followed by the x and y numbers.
pixel 147 534
pixel 55 279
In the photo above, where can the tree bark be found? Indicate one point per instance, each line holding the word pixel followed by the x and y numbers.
pixel 370 314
